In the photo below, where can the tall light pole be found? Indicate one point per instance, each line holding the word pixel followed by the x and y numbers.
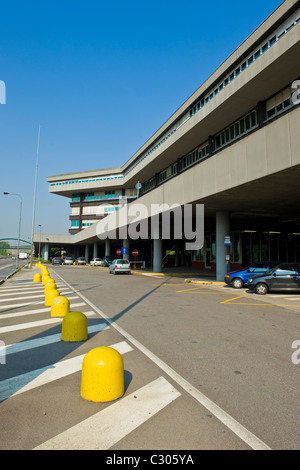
pixel 40 242
pixel 34 196
pixel 20 218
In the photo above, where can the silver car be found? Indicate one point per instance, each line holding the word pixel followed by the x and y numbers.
pixel 68 260
pixel 97 262
pixel 80 260
pixel 120 266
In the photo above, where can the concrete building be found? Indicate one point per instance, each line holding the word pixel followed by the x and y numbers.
pixel 233 146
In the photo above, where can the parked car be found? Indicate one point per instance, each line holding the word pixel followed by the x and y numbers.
pixel 120 266
pixel 80 260
pixel 68 260
pixel 284 277
pixel 56 260
pixel 97 262
pixel 240 278
pixel 108 260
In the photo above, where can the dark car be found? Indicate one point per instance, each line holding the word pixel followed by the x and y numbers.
pixel 240 278
pixel 284 277
pixel 108 260
pixel 56 260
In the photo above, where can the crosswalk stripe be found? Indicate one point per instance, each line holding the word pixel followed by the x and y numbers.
pixel 34 324
pixel 50 339
pixel 62 291
pixel 24 304
pixel 31 291
pixel 22 298
pixel 105 428
pixel 35 311
pixel 36 378
pixel 27 289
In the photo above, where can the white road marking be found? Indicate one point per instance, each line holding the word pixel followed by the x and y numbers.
pixel 238 429
pixel 36 378
pixel 24 304
pixel 38 310
pixel 107 427
pixel 34 324
pixel 21 289
pixel 62 291
pixel 44 340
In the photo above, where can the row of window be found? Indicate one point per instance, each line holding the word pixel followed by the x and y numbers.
pixel 91 196
pixel 279 103
pixel 195 156
pixel 236 130
pixel 90 180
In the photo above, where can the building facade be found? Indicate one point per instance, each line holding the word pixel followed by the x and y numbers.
pixel 233 146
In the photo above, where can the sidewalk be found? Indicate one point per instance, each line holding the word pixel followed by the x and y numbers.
pixel 196 276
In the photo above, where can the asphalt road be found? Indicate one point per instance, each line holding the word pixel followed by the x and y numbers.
pixel 8 266
pixel 221 358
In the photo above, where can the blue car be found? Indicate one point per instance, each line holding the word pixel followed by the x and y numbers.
pixel 240 278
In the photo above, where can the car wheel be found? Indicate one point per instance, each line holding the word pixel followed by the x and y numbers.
pixel 237 283
pixel 261 288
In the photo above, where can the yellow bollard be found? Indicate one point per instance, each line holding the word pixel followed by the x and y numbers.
pixel 50 295
pixel 50 284
pixel 102 377
pixel 45 278
pixel 37 278
pixel 74 327
pixel 60 306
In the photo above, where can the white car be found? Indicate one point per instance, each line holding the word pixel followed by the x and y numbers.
pixel 97 262
pixel 68 260
pixel 120 266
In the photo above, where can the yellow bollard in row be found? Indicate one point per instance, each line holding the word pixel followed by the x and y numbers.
pixel 102 378
pixel 74 327
pixel 37 278
pixel 60 306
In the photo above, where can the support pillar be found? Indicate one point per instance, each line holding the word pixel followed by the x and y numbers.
pixel 157 255
pixel 107 247
pixel 87 254
pixel 222 229
pixel 45 252
pixel 95 250
pixel 126 244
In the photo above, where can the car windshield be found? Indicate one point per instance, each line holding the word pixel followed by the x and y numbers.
pixel 122 261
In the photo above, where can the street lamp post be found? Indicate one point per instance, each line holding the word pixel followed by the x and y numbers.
pixel 20 218
pixel 40 242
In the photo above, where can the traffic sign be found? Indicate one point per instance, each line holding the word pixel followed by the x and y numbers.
pixel 119 252
pixel 227 240
pixel 124 250
pixel 135 252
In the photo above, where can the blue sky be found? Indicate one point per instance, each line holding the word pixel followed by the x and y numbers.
pixel 100 78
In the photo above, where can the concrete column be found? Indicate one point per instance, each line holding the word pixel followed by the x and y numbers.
pixel 87 256
pixel 45 252
pixel 126 244
pixel 95 250
pixel 107 247
pixel 157 255
pixel 222 229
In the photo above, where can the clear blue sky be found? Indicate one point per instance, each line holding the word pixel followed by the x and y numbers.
pixel 100 77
